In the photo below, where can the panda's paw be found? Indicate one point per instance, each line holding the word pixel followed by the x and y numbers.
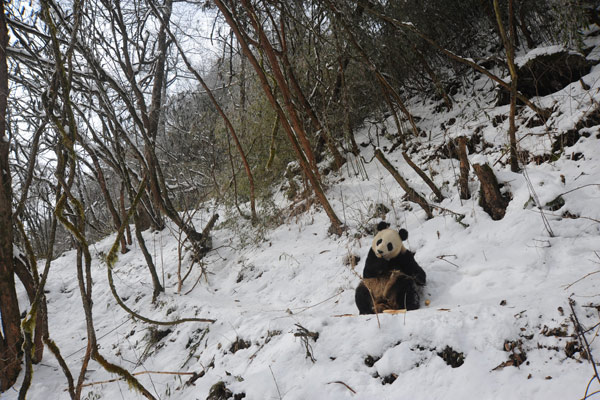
pixel 397 274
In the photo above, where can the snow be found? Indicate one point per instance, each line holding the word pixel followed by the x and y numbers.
pixel 489 283
pixel 539 51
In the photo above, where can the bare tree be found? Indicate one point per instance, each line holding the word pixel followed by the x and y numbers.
pixel 11 337
pixel 290 121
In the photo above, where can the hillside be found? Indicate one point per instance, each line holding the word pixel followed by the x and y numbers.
pixel 499 323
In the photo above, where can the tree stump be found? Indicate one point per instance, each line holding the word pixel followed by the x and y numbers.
pixel 491 200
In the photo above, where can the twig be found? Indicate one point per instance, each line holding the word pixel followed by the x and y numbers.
pixel 275 380
pixel 302 309
pixel 137 373
pixel 591 394
pixel 304 334
pixel 580 279
pixel 583 341
pixel 342 383
pixel 574 217
pixel 197 280
pixel 580 187
pixel 537 203
pixel 443 258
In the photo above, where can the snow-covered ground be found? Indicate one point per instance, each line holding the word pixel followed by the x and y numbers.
pixel 498 324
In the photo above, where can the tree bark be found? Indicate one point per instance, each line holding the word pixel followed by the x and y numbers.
pixel 336 224
pixel 491 199
pixel 107 198
pixel 426 179
pixel 11 337
pixel 339 160
pixel 157 287
pixel 223 115
pixel 124 212
pixel 283 86
pixel 410 192
pixel 463 179
pixel 510 60
pixel 41 324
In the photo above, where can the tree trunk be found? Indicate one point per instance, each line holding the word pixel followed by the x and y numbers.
pixel 491 199
pixel 41 323
pixel 438 194
pixel 107 197
pixel 510 59
pixel 339 160
pixel 284 88
pixel 410 192
pixel 124 213
pixel 11 337
pixel 157 287
pixel 306 165
pixel 463 180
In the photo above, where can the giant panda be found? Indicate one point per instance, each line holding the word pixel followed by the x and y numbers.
pixel 391 275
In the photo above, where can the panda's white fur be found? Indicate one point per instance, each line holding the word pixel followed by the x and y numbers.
pixel 387 244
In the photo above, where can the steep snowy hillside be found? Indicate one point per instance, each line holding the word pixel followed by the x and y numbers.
pixel 499 323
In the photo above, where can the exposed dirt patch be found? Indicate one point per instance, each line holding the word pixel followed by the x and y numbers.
pixel 239 344
pixel 452 357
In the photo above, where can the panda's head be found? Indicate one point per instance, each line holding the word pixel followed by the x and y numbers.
pixel 387 243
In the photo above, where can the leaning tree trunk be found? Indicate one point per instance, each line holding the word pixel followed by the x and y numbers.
pixel 410 192
pixel 303 152
pixel 438 194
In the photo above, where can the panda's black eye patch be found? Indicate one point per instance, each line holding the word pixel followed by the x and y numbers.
pixel 379 242
pixel 390 247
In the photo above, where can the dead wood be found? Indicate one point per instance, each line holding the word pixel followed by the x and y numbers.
pixel 463 180
pixel 438 194
pixel 411 194
pixel 491 199
pixel 584 344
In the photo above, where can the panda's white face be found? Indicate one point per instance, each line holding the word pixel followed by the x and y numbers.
pixel 387 244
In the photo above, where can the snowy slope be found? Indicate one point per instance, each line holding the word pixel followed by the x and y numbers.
pixel 498 290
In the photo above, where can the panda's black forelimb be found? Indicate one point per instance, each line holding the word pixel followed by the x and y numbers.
pixel 411 268
pixel 363 299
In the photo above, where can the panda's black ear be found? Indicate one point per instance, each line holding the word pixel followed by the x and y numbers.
pixel 382 225
pixel 403 234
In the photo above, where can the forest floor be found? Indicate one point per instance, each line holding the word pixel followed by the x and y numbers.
pixel 502 294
